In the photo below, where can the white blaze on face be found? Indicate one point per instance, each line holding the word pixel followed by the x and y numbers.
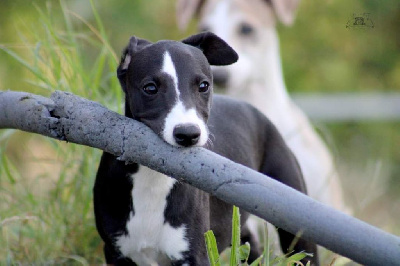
pixel 179 115
pixel 169 68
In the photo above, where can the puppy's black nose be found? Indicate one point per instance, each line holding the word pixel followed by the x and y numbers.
pixel 187 134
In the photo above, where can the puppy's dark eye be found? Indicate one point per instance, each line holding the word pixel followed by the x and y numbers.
pixel 204 86
pixel 245 29
pixel 150 89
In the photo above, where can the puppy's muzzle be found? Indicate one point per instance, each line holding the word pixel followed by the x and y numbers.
pixel 187 134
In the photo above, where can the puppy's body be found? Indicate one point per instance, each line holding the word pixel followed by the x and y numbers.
pixel 148 218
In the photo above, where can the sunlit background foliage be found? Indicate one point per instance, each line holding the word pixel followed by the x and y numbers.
pixel 46 213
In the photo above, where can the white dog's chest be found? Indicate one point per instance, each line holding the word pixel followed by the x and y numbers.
pixel 150 239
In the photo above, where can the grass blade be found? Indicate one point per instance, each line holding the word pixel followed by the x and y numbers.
pixel 24 63
pixel 6 169
pixel 235 260
pixel 296 258
pixel 257 262
pixel 266 245
pixel 212 249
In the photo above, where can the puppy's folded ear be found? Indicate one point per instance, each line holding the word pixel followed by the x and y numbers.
pixel 135 45
pixel 216 50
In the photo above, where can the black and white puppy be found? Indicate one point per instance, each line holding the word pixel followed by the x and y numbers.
pixel 147 218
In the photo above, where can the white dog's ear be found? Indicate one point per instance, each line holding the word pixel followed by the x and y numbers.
pixel 186 10
pixel 135 44
pixel 216 50
pixel 285 10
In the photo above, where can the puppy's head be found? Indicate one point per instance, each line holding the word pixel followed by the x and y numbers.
pixel 168 84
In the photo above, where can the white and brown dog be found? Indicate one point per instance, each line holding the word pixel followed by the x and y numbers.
pixel 250 28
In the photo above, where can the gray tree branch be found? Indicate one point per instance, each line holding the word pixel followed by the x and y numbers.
pixel 70 118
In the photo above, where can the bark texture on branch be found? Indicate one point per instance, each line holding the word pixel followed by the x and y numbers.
pixel 68 117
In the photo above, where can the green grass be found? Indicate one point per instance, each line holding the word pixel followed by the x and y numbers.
pixel 239 253
pixel 47 218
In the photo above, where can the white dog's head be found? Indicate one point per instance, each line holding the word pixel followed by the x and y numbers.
pixel 248 26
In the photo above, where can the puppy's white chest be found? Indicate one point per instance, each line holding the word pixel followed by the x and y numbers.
pixel 150 239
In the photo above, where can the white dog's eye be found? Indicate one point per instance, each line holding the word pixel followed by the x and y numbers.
pixel 150 89
pixel 245 29
pixel 204 86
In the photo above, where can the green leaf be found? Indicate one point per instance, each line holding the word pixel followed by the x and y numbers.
pixel 235 260
pixel 296 258
pixel 299 256
pixel 212 249
pixel 244 252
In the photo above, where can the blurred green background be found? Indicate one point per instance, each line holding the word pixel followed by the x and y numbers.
pixel 45 185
